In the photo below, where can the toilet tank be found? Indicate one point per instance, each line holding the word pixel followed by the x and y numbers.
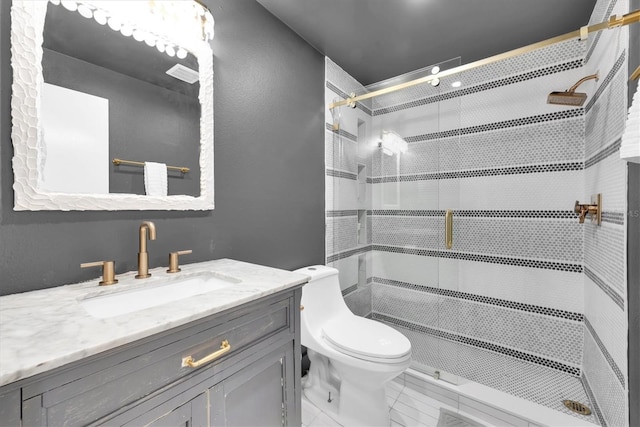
pixel 321 298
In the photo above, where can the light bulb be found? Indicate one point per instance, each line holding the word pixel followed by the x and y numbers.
pixel 170 51
pixel 435 82
pixel 181 53
pixel 85 11
pixel 100 17
pixel 435 70
pixel 70 5
pixel 114 23
pixel 160 46
pixel 56 2
pixel 150 40
pixel 456 84
pixel 139 35
pixel 126 30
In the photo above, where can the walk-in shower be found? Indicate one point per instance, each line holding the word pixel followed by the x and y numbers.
pixel 450 216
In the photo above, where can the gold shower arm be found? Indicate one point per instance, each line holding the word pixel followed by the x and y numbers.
pixel 613 22
pixel 582 80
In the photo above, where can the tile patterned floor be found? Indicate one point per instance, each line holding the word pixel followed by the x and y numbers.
pixel 409 408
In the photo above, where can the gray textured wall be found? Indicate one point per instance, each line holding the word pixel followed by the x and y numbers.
pixel 269 169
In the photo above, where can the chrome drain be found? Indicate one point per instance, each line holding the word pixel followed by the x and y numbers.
pixel 577 407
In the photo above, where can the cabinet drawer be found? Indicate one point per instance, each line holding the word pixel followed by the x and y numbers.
pixel 82 395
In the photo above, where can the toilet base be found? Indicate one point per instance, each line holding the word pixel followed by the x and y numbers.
pixel 351 406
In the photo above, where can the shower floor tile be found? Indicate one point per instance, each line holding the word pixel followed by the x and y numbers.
pixel 525 380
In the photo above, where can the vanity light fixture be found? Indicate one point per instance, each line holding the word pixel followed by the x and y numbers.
pixel 173 27
pixel 392 143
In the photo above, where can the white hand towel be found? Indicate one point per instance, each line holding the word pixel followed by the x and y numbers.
pixel 155 179
pixel 630 146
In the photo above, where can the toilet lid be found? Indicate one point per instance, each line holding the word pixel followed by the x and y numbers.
pixel 364 338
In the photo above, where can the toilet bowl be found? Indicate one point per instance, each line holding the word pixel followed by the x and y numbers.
pixel 352 358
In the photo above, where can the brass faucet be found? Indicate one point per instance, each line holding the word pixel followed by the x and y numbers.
pixel 147 230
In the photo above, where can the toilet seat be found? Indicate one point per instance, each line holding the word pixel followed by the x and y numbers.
pixel 366 339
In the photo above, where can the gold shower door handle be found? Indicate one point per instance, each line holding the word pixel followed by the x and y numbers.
pixel 225 347
pixel 448 229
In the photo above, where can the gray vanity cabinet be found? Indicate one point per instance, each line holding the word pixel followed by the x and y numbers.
pixel 256 383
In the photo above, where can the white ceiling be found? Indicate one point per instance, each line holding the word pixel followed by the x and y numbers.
pixel 374 40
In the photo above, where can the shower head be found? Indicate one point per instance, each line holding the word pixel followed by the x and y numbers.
pixel 571 97
pixel 567 98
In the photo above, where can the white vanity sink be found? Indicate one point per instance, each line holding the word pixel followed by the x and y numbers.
pixel 155 294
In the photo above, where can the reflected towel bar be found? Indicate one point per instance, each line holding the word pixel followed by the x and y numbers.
pixel 119 162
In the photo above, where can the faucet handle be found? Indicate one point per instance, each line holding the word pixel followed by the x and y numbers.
pixel 173 260
pixel 108 271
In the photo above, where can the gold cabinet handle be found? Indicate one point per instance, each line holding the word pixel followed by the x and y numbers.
pixel 225 347
pixel 448 229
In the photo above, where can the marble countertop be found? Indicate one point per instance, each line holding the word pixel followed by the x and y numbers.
pixel 42 330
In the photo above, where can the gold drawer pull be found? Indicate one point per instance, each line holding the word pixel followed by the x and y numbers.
pixel 225 347
pixel 448 229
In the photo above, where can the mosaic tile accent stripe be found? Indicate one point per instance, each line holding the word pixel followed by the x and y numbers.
pixel 557 141
pixel 345 95
pixel 605 352
pixel 347 254
pixel 603 154
pixel 613 217
pixel 605 123
pixel 333 214
pixel 552 240
pixel 614 70
pixel 482 87
pixel 604 248
pixel 546 311
pixel 516 170
pixel 560 266
pixel 478 213
pixel 540 118
pixel 611 397
pixel 545 336
pixel 592 399
pixel 599 17
pixel 575 371
pixel 350 289
pixel 605 288
pixel 341 233
pixel 341 132
pixel 405 212
pixel 341 174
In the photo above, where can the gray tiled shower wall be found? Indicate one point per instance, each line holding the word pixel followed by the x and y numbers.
pixel 524 283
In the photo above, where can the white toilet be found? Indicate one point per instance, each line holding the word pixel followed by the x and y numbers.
pixel 352 358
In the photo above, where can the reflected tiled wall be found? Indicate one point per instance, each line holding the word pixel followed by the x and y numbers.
pixel 526 290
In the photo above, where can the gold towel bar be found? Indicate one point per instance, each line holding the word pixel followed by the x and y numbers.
pixel 119 162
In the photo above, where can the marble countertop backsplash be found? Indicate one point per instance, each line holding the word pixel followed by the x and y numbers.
pixel 45 329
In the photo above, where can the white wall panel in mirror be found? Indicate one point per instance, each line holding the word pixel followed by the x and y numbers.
pixel 75 130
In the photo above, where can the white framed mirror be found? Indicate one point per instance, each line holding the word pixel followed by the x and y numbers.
pixel 39 120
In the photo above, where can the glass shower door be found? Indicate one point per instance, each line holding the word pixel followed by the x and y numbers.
pixel 414 182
